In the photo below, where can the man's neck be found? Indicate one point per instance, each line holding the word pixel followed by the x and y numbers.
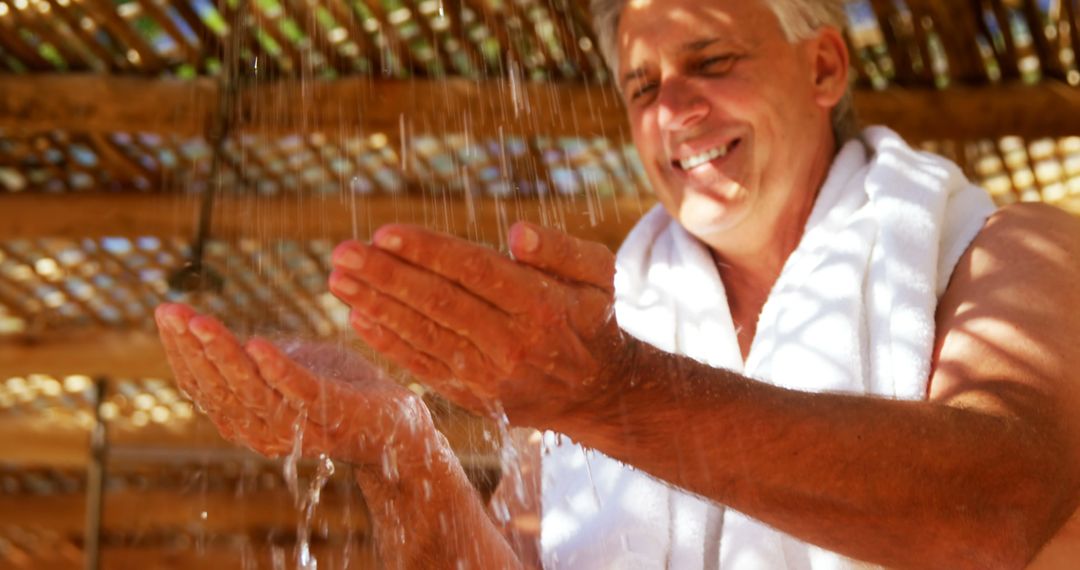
pixel 751 261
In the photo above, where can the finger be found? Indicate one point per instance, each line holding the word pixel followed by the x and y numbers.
pixel 425 368
pixel 409 297
pixel 234 365
pixel 173 326
pixel 170 319
pixel 323 401
pixel 480 270
pixel 445 299
pixel 460 355
pixel 386 342
pixel 221 404
pixel 561 254
pixel 295 383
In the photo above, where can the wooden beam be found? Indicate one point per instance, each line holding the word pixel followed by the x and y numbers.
pixel 186 552
pixel 53 440
pixel 116 354
pixel 103 104
pixel 193 509
pixel 57 438
pixel 1049 109
pixel 607 220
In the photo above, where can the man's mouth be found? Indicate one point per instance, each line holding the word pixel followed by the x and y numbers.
pixel 692 162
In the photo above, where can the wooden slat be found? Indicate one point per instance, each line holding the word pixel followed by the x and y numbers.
pixel 974 113
pixel 181 510
pixel 957 23
pixel 210 43
pixel 303 13
pixel 12 42
pixel 398 46
pixel 201 555
pixel 453 8
pixel 128 214
pixel 92 103
pixel 115 161
pixel 103 104
pixel 270 24
pixel 1071 13
pixel 85 307
pixel 68 15
pixel 483 109
pixel 44 29
pixel 1048 55
pixel 526 36
pixel 118 353
pixel 163 19
pixel 16 304
pixel 107 16
pixel 564 15
pixel 346 17
pixel 126 279
pixel 887 17
pixel 1010 60
pixel 243 36
pixel 283 302
pixel 440 56
pixel 494 22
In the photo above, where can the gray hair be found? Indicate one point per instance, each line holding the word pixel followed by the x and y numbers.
pixel 799 19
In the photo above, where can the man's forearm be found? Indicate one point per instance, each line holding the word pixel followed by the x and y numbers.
pixel 898 483
pixel 431 517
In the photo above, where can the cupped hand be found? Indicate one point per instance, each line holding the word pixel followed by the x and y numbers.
pixel 534 336
pixel 260 397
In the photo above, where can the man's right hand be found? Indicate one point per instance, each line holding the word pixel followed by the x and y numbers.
pixel 258 396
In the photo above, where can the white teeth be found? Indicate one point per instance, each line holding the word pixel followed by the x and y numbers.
pixel 698 160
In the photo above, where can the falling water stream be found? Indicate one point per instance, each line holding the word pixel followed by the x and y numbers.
pixel 306 499
pixel 502 165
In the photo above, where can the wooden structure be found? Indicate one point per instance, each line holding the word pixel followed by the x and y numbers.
pixel 310 121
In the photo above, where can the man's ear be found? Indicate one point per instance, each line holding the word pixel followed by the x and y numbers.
pixel 830 65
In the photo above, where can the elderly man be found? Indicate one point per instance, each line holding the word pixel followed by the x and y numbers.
pixel 822 349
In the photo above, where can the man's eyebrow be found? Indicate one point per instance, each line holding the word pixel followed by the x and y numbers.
pixel 688 47
pixel 698 45
pixel 633 74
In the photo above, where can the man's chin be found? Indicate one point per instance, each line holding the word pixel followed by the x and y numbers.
pixel 706 219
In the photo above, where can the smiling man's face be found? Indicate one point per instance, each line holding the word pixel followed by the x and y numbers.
pixel 730 119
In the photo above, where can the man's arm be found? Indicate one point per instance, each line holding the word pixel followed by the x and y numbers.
pixel 979 476
pixel 434 518
pixel 424 511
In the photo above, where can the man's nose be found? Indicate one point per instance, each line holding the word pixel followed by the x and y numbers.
pixel 680 105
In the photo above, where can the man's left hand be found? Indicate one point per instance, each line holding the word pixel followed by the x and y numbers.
pixel 531 336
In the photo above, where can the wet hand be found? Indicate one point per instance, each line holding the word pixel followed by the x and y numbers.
pixel 534 336
pixel 259 397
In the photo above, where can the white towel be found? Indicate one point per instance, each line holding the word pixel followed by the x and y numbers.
pixel 852 311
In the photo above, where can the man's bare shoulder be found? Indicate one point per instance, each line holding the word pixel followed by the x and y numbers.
pixel 1016 232
pixel 1009 315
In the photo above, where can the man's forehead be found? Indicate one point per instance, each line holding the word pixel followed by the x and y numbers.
pixel 684 24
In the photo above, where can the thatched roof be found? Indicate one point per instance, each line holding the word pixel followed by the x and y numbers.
pixel 317 120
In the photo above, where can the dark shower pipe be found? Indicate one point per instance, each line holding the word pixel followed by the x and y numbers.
pixel 95 479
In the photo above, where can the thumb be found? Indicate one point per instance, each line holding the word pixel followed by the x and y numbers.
pixel 563 255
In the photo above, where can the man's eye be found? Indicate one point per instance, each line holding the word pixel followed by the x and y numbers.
pixel 643 90
pixel 720 63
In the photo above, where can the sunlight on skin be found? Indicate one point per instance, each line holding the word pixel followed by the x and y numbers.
pixel 746 91
pixel 1029 354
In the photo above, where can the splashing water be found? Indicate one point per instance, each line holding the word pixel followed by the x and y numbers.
pixel 324 470
pixel 308 500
